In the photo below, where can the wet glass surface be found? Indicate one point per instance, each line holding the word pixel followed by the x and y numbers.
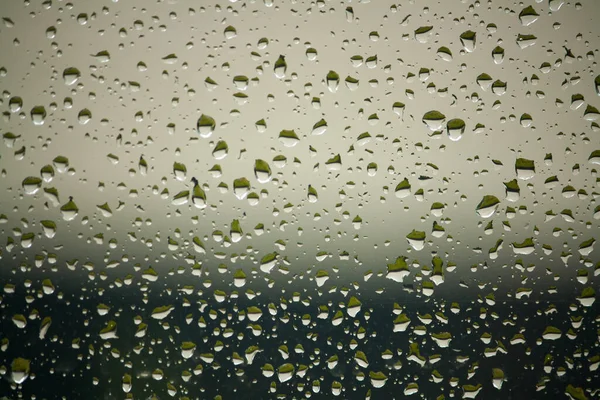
pixel 299 199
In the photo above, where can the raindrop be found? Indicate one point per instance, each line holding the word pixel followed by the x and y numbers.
pixel 333 81
pixel 434 120
pixel 71 75
pixel 84 116
pixel 205 126
pixel 38 115
pixel 468 40
pixel 280 67
pixel 69 210
pixel 31 185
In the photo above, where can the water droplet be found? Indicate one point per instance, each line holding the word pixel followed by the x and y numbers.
pixel 416 239
pixel 487 206
pixel 230 32
pixel 84 116
pixel 288 138
pixel 205 126
pixel 241 187
pixel 444 53
pixel 333 81
pixel 423 33
pixel 20 369
pixel 455 129
pixel 69 210
pixel 221 150
pixel 262 171
pixel 528 16
pixel 498 55
pixel 31 185
pixel 434 120
pixel 102 56
pixel 468 40
pixel 15 104
pixel 38 115
pixel 280 67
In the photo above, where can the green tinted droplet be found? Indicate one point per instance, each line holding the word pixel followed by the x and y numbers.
pixel 61 163
pixel 288 138
pixel 499 87
pixel 312 194
pixel 15 104
pixel 31 185
pixel 484 81
pixel 38 115
pixel 49 228
pixel 10 139
pixel 102 56
pixel 416 239
pixel 498 55
pixel 210 83
pixel 378 379
pixel 333 81
pixel 236 232
pixel 524 168
pixel 487 206
pixel 591 113
pixel 241 82
pixel 594 157
pixel 586 247
pixel 20 369
pixel 575 393
pixel 262 171
pixel 52 195
pixel 403 189
pixel 351 83
pixel 311 54
pixel 525 247
pixel 422 33
pixel 444 53
pixel 205 126
pixel 334 163
pixel 241 187
pixel 434 120
pixel 221 150
pixel 455 128
pixel 319 128
pixel 524 41
pixel 47 173
pixel 280 161
pixel 398 108
pixel 239 278
pixel 69 210
pixel 357 60
pixel 105 210
pixel 180 171
pixel 280 67
pixel 230 32
pixel 268 262
pixel 181 198
pixel 528 16
pixel 27 239
pixel 44 326
pixel 512 190
pixel 261 126
pixel 285 372
pixel 109 331
pixel 468 40
pixel 84 116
